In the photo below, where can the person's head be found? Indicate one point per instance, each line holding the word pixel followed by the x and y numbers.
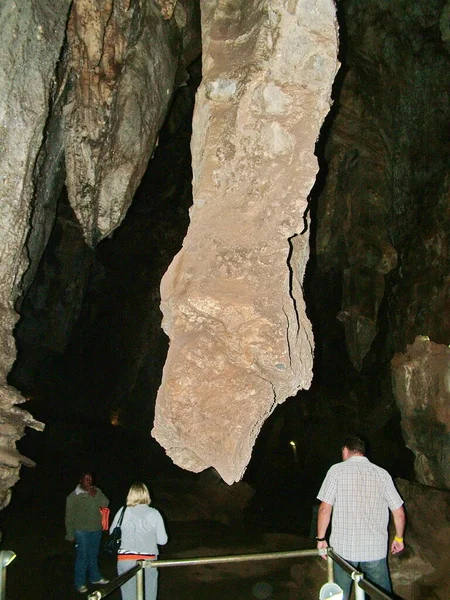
pixel 353 445
pixel 86 480
pixel 138 494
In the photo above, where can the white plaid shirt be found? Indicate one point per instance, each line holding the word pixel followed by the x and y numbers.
pixel 361 494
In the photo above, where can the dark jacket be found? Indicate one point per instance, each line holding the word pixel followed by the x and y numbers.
pixel 83 511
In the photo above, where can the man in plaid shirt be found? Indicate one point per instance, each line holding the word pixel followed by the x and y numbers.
pixel 356 496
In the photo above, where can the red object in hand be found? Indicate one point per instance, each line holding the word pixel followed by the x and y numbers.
pixel 105 518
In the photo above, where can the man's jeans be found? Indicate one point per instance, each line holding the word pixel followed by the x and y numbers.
pixel 375 571
pixel 87 546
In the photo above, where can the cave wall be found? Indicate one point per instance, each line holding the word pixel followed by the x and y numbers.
pixel 32 37
pixel 421 379
pixel 85 89
pixel 383 219
pixel 379 274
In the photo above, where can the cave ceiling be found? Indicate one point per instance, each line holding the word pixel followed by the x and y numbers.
pixel 311 249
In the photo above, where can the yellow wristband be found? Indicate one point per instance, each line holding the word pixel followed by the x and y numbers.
pixel 399 540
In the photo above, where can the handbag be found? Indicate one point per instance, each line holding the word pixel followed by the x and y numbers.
pixel 112 543
pixel 104 511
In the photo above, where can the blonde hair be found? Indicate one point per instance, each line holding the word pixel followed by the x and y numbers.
pixel 138 494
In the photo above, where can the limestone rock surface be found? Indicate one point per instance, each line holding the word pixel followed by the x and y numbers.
pixel 421 380
pixel 31 39
pixel 240 342
pixel 383 219
pixel 32 36
pixel 128 59
pixel 421 571
pixel 13 422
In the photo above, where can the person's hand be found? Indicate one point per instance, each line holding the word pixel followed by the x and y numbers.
pixel 397 546
pixel 322 545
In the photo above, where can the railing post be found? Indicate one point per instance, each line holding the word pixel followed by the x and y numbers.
pixel 140 582
pixel 359 593
pixel 330 569
pixel 6 558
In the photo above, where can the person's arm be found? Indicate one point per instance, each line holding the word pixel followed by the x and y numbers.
pixel 399 521
pixel 103 500
pixel 161 535
pixel 323 520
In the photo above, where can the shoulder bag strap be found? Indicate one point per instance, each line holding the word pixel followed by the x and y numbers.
pixel 119 522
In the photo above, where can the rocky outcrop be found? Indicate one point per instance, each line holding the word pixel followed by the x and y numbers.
pixel 421 384
pixel 13 422
pixel 32 37
pixel 35 33
pixel 127 59
pixel 421 571
pixel 98 102
pixel 383 220
pixel 240 340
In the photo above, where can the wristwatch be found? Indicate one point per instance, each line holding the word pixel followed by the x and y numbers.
pixel 320 539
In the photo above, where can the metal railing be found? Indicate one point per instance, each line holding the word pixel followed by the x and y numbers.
pixel 361 585
pixel 185 562
pixel 6 558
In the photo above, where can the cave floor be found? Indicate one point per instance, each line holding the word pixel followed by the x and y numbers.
pixel 33 527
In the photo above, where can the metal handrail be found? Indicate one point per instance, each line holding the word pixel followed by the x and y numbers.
pixel 361 584
pixel 210 560
pixel 115 583
pixel 184 562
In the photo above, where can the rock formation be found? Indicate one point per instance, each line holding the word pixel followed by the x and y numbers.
pixel 32 37
pixel 381 273
pixel 383 220
pixel 240 339
pixel 84 89
pixel 128 60
pixel 421 385
pixel 422 571
pixel 85 99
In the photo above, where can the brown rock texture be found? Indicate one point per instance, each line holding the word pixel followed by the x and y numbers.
pixel 127 57
pixel 421 385
pixel 421 571
pixel 96 103
pixel 13 422
pixel 32 36
pixel 240 342
pixel 383 218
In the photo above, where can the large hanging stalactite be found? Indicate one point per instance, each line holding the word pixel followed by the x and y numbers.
pixel 240 339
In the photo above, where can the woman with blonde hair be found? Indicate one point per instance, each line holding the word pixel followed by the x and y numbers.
pixel 142 531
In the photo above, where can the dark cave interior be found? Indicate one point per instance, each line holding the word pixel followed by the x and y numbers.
pixel 91 352
pixel 99 369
